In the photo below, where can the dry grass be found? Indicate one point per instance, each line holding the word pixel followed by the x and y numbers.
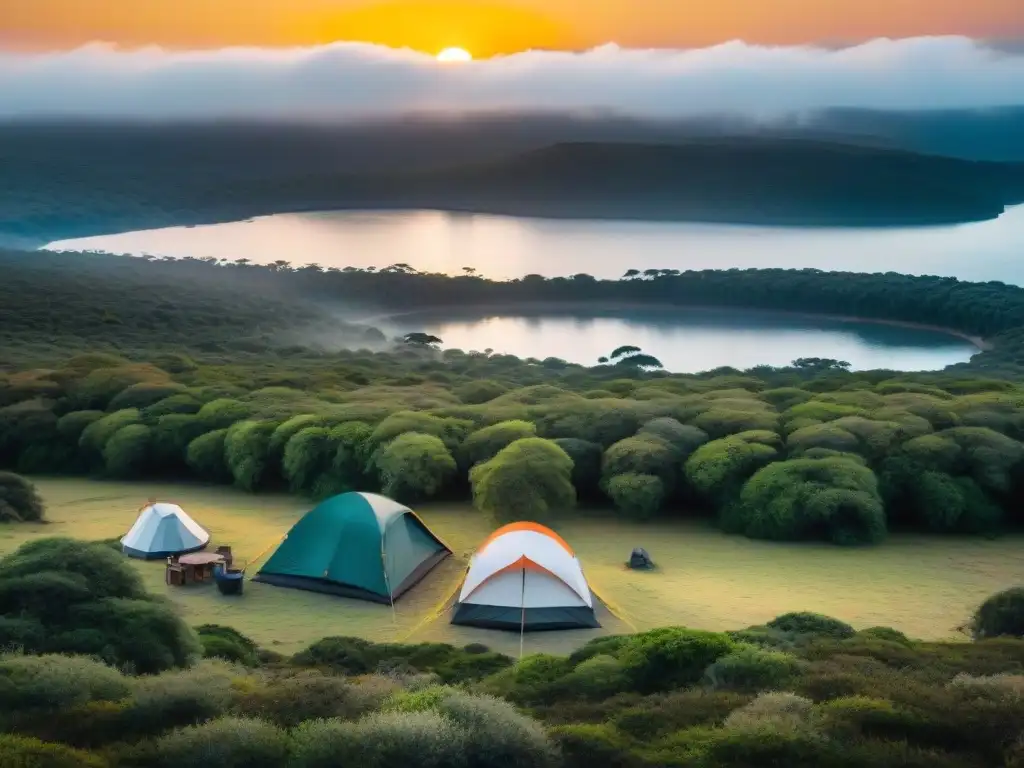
pixel 921 585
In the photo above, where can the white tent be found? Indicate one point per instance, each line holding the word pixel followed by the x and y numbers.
pixel 525 577
pixel 161 530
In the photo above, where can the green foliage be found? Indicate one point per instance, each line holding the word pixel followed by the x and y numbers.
pixel 228 644
pixel 484 444
pixel 307 455
pixel 205 456
pixel 94 437
pixel 1000 614
pixel 26 752
pixel 586 464
pixel 641 455
pixel 230 742
pixel 671 658
pixel 477 392
pixel 246 451
pixel 144 394
pixel 683 438
pixel 833 499
pixel 19 499
pixel 88 600
pixel 293 700
pixel 55 682
pixel 805 623
pixel 637 496
pixel 528 480
pixel 718 469
pixel 128 452
pixel 752 669
pixel 451 431
pixel 414 466
pixel 380 740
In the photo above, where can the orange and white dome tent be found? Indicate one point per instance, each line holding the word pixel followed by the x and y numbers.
pixel 525 577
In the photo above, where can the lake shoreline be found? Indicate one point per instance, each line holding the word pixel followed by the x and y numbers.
pixel 982 344
pixel 44 240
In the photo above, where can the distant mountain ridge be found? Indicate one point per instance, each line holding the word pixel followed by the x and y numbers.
pixel 60 183
pixel 769 181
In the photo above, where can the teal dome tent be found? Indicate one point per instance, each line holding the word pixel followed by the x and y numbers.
pixel 356 545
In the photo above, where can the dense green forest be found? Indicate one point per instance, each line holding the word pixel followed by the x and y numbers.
pixel 109 676
pixel 228 374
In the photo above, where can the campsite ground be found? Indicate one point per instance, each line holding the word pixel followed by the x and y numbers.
pixel 922 585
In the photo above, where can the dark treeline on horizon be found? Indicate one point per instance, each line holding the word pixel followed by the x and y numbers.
pixel 66 180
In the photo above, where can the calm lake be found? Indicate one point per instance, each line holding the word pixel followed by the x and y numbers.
pixel 505 247
pixel 692 340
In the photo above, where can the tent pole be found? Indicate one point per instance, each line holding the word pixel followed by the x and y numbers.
pixel 387 581
pixel 522 614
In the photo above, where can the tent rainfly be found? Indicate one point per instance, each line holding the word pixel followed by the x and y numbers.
pixel 162 530
pixel 357 545
pixel 525 577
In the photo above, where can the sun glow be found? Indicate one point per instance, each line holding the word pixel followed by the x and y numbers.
pixel 455 55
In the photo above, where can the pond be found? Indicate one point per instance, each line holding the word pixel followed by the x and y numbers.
pixel 689 340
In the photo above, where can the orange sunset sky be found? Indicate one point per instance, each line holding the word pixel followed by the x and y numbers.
pixel 488 28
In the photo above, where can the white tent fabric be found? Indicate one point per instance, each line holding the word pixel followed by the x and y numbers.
pixel 559 571
pixel 163 529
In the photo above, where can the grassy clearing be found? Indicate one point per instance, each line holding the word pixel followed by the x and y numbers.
pixel 922 585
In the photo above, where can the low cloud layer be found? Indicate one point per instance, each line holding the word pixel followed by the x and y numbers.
pixel 352 81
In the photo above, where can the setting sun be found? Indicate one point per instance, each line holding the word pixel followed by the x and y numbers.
pixel 454 55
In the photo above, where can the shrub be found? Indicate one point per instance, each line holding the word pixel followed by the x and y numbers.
pixel 414 466
pixel 683 438
pixel 159 703
pixel 205 456
pixel 784 711
pixel 1000 614
pixel 19 499
pixel 229 742
pixel 833 499
pixel 529 479
pixel 885 633
pixel 534 679
pixel 671 657
pixel 638 496
pixel 379 740
pixel 495 735
pixel 228 644
pixel 586 464
pixel 596 678
pixel 144 394
pixel 1004 685
pixel 127 453
pixel 94 437
pixel 90 601
pixel 485 444
pixel 752 669
pixel 307 455
pixel 450 431
pixel 663 714
pixel 482 391
pixel 56 682
pixel 718 469
pixel 805 623
pixel 587 745
pixel 642 454
pixel 290 701
pixel 246 451
pixel 24 752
